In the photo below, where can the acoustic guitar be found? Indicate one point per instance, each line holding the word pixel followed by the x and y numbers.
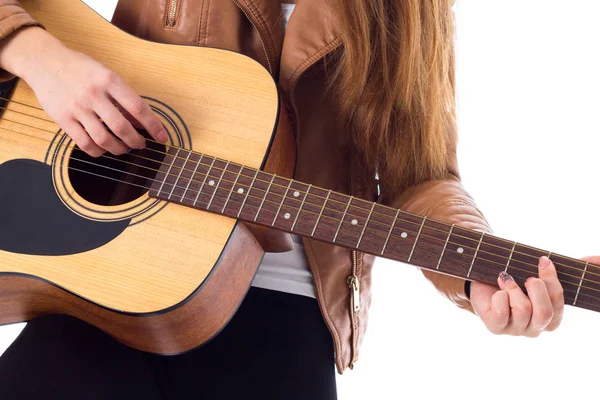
pixel 150 246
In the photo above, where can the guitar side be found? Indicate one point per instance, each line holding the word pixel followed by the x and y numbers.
pixel 165 278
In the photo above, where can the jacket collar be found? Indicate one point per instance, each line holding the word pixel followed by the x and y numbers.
pixel 310 35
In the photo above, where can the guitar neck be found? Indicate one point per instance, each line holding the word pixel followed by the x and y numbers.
pixel 250 195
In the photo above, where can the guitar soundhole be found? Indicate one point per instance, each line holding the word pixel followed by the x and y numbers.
pixel 111 180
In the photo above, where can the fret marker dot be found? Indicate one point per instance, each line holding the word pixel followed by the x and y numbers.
pixel 287 215
pixel 404 235
pixel 460 250
pixel 296 193
pixel 211 182
pixel 354 222
pixel 241 191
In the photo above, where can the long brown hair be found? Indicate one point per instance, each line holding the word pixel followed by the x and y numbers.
pixel 395 85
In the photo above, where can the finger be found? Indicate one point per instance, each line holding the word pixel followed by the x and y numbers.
pixel 136 124
pixel 592 259
pixel 542 312
pixel 101 136
pixel 82 139
pixel 138 109
pixel 497 316
pixel 119 125
pixel 548 274
pixel 520 305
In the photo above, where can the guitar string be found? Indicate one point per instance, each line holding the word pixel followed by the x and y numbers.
pixel 371 221
pixel 479 269
pixel 143 177
pixel 283 200
pixel 243 166
pixel 310 212
pixel 333 210
pixel 581 302
pixel 336 211
pixel 581 263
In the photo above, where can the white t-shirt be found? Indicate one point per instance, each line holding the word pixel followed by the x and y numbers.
pixel 286 272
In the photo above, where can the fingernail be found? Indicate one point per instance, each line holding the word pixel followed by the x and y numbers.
pixel 505 277
pixel 544 262
pixel 162 136
pixel 528 279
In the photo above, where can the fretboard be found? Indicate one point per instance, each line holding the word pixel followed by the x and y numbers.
pixel 236 191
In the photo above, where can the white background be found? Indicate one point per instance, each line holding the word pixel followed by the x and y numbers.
pixel 528 84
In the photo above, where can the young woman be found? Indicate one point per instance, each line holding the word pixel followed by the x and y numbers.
pixel 368 91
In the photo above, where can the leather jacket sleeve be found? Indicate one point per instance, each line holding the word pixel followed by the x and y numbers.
pixel 445 200
pixel 12 17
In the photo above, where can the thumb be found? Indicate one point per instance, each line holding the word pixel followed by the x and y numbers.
pixel 481 297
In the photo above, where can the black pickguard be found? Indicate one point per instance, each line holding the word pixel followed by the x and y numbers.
pixel 34 221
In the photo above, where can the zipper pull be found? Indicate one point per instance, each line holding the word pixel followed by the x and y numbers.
pixel 354 285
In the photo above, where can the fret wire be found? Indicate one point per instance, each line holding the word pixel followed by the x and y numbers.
pixel 526 254
pixel 475 256
pixel 264 198
pixel 390 232
pixel 488 269
pixel 320 214
pixel 565 282
pixel 390 208
pixel 301 205
pixel 416 239
pixel 247 193
pixel 217 187
pixel 444 249
pixel 534 266
pixel 523 253
pixel 343 217
pixel 525 263
pixel 232 189
pixel 204 180
pixel 408 213
pixel 191 178
pixel 179 175
pixel 510 257
pixel 580 282
pixel 282 201
pixel 365 225
pixel 168 172
pixel 524 271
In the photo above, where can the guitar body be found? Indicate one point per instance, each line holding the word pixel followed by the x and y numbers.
pixel 159 277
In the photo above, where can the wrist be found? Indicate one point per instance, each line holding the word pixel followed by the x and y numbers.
pixel 25 50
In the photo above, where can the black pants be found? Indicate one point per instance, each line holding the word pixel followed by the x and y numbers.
pixel 276 347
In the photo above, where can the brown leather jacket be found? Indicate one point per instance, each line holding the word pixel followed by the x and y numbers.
pixel 254 28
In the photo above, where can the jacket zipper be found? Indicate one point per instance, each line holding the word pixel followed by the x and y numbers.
pixel 260 36
pixel 352 281
pixel 354 285
pixel 172 13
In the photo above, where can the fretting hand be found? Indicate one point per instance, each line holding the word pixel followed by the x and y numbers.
pixel 80 94
pixel 511 311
